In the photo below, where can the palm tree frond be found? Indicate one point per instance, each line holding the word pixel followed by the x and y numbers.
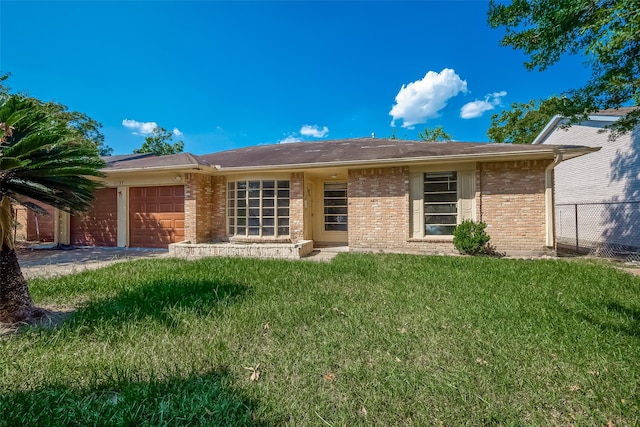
pixel 43 158
pixel 8 163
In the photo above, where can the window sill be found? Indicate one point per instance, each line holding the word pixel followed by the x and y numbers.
pixel 259 239
pixel 432 239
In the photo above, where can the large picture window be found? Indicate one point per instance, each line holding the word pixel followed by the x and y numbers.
pixel 440 203
pixel 258 208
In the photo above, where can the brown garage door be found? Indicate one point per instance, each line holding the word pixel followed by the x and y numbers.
pixel 156 216
pixel 99 225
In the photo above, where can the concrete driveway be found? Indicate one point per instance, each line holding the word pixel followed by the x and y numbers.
pixel 47 260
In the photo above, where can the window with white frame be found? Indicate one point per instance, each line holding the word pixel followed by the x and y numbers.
pixel 335 206
pixel 258 208
pixel 440 200
pixel 440 203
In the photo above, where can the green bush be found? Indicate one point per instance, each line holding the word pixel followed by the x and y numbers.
pixel 469 237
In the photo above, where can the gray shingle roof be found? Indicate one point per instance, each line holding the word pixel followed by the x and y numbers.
pixel 361 150
pixel 152 161
pixel 345 152
pixel 620 112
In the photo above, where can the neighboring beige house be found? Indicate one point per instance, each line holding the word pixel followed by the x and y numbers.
pixel 367 194
pixel 597 196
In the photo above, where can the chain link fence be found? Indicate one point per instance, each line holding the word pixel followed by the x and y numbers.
pixel 610 230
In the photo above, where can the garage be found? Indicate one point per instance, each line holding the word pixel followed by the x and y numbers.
pixel 98 226
pixel 156 216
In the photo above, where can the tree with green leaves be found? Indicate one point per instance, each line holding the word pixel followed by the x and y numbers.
pixel 523 122
pixel 79 122
pixel 160 143
pixel 605 32
pixel 84 125
pixel 45 159
pixel 434 134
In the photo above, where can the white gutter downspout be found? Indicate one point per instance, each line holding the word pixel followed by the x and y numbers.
pixel 548 201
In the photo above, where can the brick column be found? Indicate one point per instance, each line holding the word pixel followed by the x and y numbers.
pixel 218 211
pixel 296 207
pixel 198 207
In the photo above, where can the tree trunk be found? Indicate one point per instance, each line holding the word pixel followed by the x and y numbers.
pixel 16 304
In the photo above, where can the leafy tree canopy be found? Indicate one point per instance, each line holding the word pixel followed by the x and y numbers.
pixel 435 134
pixel 84 125
pixel 523 122
pixel 605 32
pixel 160 142
pixel 43 158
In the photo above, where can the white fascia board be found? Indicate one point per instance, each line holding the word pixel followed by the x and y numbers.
pixel 602 118
pixel 516 155
pixel 188 167
pixel 553 123
pixel 547 129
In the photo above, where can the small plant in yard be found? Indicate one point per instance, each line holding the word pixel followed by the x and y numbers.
pixel 469 237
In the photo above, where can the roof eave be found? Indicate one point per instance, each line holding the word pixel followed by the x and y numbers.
pixel 186 167
pixel 547 130
pixel 567 153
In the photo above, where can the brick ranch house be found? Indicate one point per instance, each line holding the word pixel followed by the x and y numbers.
pixel 368 194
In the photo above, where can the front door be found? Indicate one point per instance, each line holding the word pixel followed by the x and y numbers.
pixel 334 213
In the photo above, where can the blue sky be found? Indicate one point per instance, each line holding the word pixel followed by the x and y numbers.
pixel 225 75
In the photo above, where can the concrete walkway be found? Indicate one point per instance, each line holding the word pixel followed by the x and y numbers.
pixel 47 260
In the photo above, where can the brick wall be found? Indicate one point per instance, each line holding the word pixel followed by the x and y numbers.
pixel 41 228
pixel 296 207
pixel 21 226
pixel 378 208
pixel 199 208
pixel 219 209
pixel 510 199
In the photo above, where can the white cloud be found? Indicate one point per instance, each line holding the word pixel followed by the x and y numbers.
pixel 306 130
pixel 289 139
pixel 177 132
pixel 477 108
pixel 421 100
pixel 140 128
pixel 314 131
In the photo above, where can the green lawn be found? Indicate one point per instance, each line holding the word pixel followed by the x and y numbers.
pixel 364 340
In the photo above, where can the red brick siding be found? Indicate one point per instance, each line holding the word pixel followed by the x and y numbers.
pixel 41 227
pixel 510 199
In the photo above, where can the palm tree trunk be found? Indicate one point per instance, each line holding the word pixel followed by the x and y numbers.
pixel 16 304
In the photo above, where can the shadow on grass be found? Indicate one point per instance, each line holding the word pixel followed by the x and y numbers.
pixel 162 300
pixel 200 400
pixel 616 317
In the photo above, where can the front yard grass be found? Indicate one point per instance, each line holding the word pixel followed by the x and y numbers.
pixel 364 340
